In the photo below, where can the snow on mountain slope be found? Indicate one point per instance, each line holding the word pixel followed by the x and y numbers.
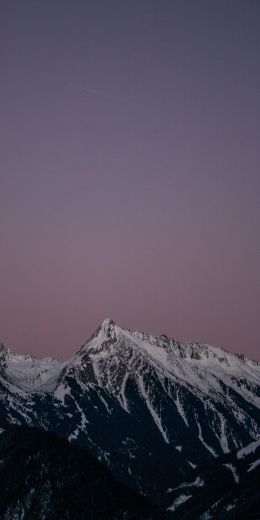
pixel 28 373
pixel 149 407
pixel 227 487
pixel 248 450
pixel 196 365
pixel 214 377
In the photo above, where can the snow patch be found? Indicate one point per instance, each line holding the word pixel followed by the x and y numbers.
pixel 155 416
pixel 209 448
pixel 61 391
pixel 250 448
pixel 233 471
pixel 180 500
pixel 254 465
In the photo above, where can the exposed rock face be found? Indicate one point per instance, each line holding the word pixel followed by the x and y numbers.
pixel 149 407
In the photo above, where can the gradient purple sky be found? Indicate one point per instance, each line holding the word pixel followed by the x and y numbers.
pixel 129 171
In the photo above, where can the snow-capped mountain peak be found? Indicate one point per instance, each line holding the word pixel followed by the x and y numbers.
pixel 105 333
pixel 144 397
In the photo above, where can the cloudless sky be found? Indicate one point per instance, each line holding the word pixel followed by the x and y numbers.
pixel 129 171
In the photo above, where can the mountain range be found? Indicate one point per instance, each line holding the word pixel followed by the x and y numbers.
pixel 156 412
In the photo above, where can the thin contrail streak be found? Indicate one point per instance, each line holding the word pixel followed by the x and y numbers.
pixel 99 93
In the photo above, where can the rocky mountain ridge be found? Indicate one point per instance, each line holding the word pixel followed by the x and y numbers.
pixel 151 408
